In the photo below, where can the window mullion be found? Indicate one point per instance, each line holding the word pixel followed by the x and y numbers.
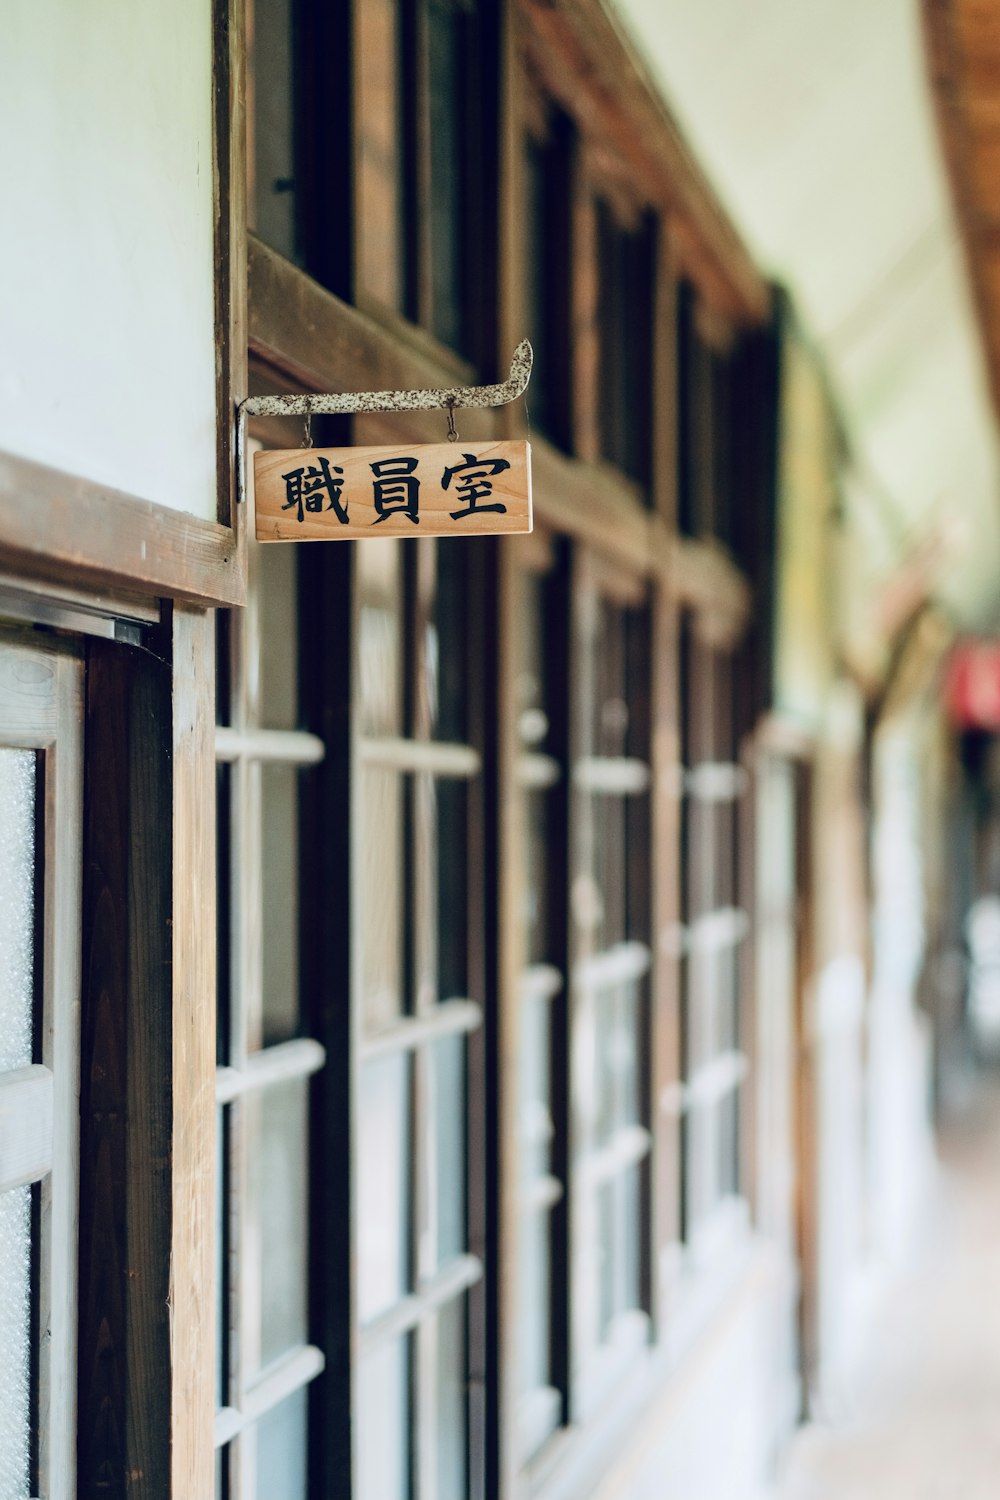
pixel 244 1026
pixel 666 874
pixel 420 885
pixel 419 198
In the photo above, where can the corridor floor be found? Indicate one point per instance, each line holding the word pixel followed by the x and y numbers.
pixel 922 1421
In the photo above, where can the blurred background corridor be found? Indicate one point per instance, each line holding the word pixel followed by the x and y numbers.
pixel 918 1415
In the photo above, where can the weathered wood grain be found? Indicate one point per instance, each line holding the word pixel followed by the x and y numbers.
pixel 60 527
pixel 440 489
pixel 192 1265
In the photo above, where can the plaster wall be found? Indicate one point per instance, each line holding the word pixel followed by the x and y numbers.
pixel 107 322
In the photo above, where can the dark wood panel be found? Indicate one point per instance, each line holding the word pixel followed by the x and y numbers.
pixel 125 1109
pixel 488 1336
pixel 561 664
pixel 665 1023
pixel 327 897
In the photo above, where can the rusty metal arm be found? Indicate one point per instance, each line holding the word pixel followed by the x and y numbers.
pixel 355 403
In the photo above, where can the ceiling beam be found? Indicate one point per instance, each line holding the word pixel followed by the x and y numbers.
pixel 962 41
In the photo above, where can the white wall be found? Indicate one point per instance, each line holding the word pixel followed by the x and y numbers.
pixel 107 339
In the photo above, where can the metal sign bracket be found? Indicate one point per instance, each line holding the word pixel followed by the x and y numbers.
pixel 355 403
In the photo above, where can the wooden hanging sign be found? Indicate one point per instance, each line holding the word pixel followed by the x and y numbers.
pixel 465 488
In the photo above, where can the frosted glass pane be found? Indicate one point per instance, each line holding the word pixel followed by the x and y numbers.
pixel 17 906
pixel 381 898
pixel 536 1129
pixel 380 624
pixel 619 1209
pixel 382 1431
pixel 15 1342
pixel 281 1450
pixel 383 1197
pixel 277 623
pixel 534 1301
pixel 278 1210
pixel 450 1404
pixel 280 879
pixel 448 1064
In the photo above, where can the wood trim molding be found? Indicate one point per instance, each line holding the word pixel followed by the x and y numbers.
pixel 320 342
pixel 592 502
pixel 588 64
pixel 192 1273
pixel 595 505
pixel 60 528
pixel 230 188
pixel 707 580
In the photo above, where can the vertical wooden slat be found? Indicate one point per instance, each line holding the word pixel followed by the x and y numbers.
pixel 245 988
pixel 379 172
pixel 511 271
pixel 642 894
pixel 665 406
pixel 586 342
pixel 487 107
pixel 486 1086
pixel 229 81
pixel 562 654
pixel 419 912
pixel 510 962
pixel 325 149
pixel 806 1083
pixel 41 706
pixel 685 842
pixel 748 829
pixel 418 200
pixel 667 1062
pixel 234 157
pixel 703 429
pixel 192 1305
pixel 511 281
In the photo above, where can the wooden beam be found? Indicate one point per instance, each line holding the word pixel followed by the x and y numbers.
pixel 60 528
pixel 320 342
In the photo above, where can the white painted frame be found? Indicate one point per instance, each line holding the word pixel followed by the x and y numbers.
pixel 41 709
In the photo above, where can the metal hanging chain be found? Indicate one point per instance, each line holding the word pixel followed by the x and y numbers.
pixel 356 403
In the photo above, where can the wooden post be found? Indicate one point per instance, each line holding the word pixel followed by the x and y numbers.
pixel 192 1266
